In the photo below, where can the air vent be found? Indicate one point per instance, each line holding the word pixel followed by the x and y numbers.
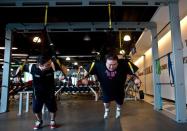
pixel 82 29
pixel 104 29
pixel 59 30
pixel 68 3
pixel 101 2
pixel 8 4
pixel 133 29
pixel 160 3
pixel 35 3
pixel 135 3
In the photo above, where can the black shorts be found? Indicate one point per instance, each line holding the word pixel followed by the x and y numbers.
pixel 50 103
pixel 119 99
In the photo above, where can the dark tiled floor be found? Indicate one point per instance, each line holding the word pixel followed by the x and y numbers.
pixel 87 115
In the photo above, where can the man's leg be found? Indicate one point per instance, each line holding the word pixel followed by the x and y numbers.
pixel 119 102
pixel 52 107
pixel 52 114
pixel 118 110
pixel 37 107
pixel 38 116
pixel 52 123
pixel 107 109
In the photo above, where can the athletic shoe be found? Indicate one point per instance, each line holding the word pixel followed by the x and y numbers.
pixel 118 113
pixel 106 114
pixel 38 125
pixel 52 124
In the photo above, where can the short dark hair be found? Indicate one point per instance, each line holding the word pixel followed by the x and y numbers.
pixel 43 58
pixel 111 56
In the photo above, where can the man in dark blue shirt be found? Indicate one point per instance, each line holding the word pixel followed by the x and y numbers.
pixel 112 75
pixel 43 88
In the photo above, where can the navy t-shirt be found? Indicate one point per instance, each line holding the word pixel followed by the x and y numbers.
pixel 112 82
pixel 43 81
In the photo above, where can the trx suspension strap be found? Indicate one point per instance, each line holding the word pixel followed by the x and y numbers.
pixel 62 67
pixel 130 65
pixel 109 15
pixel 170 70
pixel 90 69
pixel 46 12
pixel 51 46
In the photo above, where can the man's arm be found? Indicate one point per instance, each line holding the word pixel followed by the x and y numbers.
pixel 133 69
pixel 87 72
pixel 61 67
pixel 84 81
pixel 20 70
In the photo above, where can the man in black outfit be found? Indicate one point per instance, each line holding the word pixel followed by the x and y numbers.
pixel 43 88
pixel 112 75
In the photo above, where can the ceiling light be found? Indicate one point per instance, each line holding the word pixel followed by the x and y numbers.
pixel 126 38
pixel 36 39
pixel 122 52
pixel 95 52
pixel 67 58
pixel 87 38
pixel 75 63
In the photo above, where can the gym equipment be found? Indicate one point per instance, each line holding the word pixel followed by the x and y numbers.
pixel 21 101
pixel 131 90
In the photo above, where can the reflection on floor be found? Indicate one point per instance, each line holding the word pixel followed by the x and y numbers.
pixel 87 115
pixel 168 106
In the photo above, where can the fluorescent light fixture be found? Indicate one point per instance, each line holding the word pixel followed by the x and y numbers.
pixel 126 38
pixel 20 55
pixel 13 48
pixel 81 56
pixel 32 57
pixel 29 60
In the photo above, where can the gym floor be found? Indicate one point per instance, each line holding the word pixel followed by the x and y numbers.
pixel 87 115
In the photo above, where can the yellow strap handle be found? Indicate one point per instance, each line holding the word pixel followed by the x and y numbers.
pixel 131 67
pixel 46 12
pixel 109 14
pixel 91 67
pixel 120 39
pixel 63 68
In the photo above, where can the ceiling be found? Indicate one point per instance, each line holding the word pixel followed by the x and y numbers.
pixel 73 43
